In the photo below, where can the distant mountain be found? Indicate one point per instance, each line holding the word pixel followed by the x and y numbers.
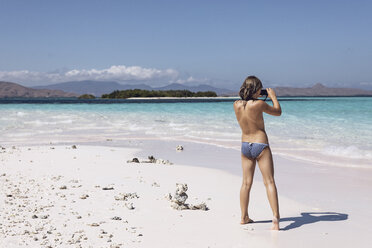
pixel 321 90
pixel 98 88
pixel 8 89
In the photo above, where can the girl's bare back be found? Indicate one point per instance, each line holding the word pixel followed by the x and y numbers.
pixel 250 119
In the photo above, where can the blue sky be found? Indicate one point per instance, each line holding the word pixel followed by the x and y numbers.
pixel 285 43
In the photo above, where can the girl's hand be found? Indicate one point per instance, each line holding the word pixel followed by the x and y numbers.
pixel 271 93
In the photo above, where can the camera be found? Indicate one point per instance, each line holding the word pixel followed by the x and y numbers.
pixel 263 92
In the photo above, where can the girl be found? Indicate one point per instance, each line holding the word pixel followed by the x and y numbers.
pixel 255 144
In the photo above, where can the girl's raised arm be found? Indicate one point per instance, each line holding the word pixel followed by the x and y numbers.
pixel 275 110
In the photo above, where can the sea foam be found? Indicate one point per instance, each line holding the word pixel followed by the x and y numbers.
pixel 347 152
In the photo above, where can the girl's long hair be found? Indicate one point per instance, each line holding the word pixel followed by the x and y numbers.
pixel 250 86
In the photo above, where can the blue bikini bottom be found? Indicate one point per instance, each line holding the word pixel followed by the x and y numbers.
pixel 252 150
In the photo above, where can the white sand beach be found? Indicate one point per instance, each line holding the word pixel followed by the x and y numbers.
pixel 57 196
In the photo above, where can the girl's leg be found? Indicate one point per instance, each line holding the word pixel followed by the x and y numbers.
pixel 265 162
pixel 248 166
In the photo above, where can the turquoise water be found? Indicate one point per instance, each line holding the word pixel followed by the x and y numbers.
pixel 339 126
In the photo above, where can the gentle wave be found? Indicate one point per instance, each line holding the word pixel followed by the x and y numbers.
pixel 347 151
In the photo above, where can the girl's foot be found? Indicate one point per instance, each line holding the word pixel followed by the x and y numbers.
pixel 246 220
pixel 275 224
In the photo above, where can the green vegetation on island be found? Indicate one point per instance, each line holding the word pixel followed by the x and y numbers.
pixel 87 96
pixel 122 94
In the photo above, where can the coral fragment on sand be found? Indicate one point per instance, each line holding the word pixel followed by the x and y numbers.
pixel 179 198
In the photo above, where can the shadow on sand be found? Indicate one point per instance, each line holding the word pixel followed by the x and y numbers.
pixel 309 218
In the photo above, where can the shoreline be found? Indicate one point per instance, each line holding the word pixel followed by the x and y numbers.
pixel 300 155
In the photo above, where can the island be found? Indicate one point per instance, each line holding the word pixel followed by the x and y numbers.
pixel 87 96
pixel 123 94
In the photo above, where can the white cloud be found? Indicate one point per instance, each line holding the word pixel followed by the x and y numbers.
pixel 192 80
pixel 118 73
pixel 366 83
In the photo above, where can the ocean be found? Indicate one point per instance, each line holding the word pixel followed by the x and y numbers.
pixel 327 130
